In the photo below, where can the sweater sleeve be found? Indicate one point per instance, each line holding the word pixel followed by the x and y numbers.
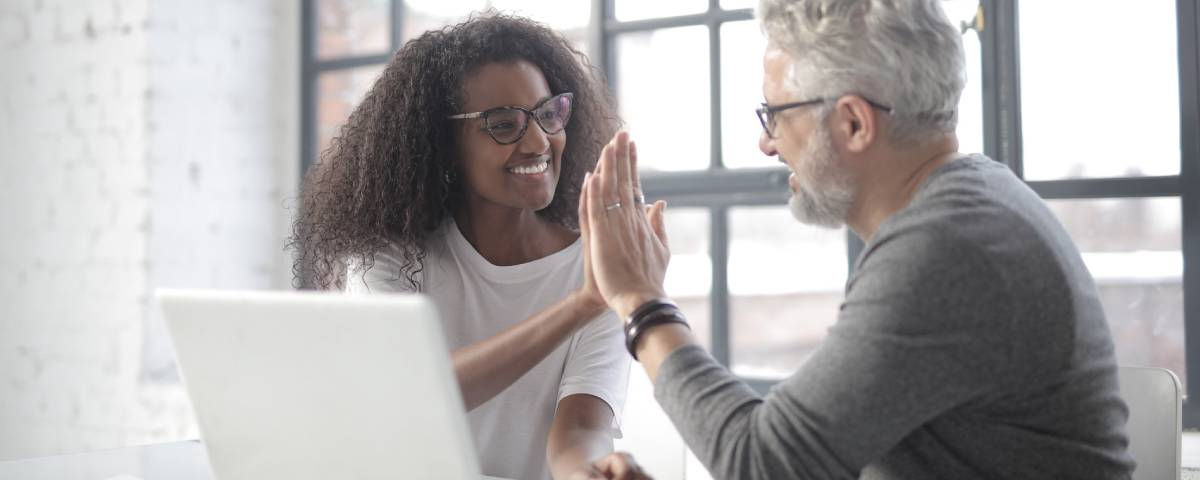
pixel 921 331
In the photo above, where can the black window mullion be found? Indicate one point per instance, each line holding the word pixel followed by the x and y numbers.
pixel 854 248
pixel 346 63
pixel 1121 187
pixel 598 40
pixel 1001 84
pixel 717 15
pixel 602 10
pixel 308 81
pixel 397 17
pixel 719 298
pixel 731 182
pixel 714 85
pixel 1188 22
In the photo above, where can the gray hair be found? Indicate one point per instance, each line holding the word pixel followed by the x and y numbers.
pixel 902 53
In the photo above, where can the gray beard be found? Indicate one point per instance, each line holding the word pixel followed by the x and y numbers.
pixel 826 192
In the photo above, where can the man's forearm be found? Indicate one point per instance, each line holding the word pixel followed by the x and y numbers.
pixel 658 342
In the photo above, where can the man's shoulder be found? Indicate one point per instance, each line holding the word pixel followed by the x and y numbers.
pixel 965 206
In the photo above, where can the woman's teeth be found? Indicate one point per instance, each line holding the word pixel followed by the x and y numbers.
pixel 531 169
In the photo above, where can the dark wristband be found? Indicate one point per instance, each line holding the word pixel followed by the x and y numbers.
pixel 649 307
pixel 645 319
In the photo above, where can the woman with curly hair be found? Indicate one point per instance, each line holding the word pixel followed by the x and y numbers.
pixel 458 176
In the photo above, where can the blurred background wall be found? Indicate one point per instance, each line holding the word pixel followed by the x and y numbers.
pixel 145 144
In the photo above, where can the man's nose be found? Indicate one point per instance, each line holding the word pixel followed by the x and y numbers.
pixel 767 144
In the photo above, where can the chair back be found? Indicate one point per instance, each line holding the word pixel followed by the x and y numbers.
pixel 1155 401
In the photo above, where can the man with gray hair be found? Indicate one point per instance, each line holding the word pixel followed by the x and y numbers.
pixel 971 343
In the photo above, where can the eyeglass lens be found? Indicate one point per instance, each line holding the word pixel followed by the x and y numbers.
pixel 507 125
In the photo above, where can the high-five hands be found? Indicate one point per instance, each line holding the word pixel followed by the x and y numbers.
pixel 625 243
pixel 616 466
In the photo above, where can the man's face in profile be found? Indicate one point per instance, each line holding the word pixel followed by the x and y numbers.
pixel 822 191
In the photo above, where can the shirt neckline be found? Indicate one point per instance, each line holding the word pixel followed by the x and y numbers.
pixel 507 273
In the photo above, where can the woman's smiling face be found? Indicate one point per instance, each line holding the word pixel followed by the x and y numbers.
pixel 524 174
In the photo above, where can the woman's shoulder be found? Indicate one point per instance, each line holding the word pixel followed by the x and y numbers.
pixel 383 270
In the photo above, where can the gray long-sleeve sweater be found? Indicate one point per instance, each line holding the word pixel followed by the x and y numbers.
pixel 971 344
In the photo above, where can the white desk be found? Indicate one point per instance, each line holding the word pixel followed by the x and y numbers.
pixel 164 461
pixel 1190 457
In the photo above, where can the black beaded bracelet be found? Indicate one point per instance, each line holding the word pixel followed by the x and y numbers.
pixel 649 315
pixel 649 307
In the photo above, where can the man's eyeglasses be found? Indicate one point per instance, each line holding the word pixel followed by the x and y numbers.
pixel 507 125
pixel 766 113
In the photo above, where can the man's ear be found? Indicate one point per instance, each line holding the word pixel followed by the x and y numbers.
pixel 857 123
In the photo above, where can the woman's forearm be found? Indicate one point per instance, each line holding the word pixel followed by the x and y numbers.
pixel 580 434
pixel 486 368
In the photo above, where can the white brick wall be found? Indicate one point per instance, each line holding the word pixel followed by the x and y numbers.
pixel 142 144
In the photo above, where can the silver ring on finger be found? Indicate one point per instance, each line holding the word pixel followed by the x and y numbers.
pixel 639 199
pixel 612 207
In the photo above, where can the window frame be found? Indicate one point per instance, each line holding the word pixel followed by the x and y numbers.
pixel 312 67
pixel 718 189
pixel 1002 141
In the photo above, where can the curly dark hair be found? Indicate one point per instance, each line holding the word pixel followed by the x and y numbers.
pixel 388 177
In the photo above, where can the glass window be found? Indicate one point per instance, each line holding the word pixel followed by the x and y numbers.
pixel 423 15
pixel 689 276
pixel 742 47
pixel 568 18
pixel 556 13
pixel 338 92
pixel 1099 89
pixel 970 107
pixel 786 282
pixel 663 92
pixel 353 27
pixel 738 4
pixel 627 10
pixel 1132 248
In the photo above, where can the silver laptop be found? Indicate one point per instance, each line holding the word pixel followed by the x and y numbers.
pixel 295 386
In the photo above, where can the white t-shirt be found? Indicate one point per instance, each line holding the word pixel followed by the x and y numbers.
pixel 477 300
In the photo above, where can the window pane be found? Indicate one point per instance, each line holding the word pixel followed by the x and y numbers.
pixel 668 118
pixel 970 106
pixel 568 18
pixel 1132 248
pixel 742 46
pixel 627 10
pixel 338 92
pixel 1099 89
pixel 786 281
pixel 738 4
pixel 689 276
pixel 424 15
pixel 557 14
pixel 353 27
